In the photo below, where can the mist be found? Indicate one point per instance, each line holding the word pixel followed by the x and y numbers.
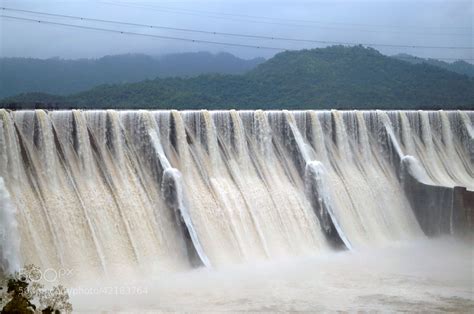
pixel 313 156
pixel 420 23
pixel 425 275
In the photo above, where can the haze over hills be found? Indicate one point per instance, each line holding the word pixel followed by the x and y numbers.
pixel 333 77
pixel 62 77
pixel 461 67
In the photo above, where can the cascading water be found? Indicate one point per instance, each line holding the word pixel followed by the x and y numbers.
pixel 162 189
pixel 442 149
pixel 9 238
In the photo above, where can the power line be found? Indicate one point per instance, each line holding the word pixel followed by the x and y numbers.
pixel 273 38
pixel 263 17
pixel 252 19
pixel 141 34
pixel 181 39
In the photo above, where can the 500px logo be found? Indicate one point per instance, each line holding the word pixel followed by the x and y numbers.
pixel 48 275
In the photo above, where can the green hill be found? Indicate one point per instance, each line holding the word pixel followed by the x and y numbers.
pixel 460 67
pixel 333 77
pixel 62 77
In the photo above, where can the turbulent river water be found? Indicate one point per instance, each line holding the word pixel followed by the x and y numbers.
pixel 191 196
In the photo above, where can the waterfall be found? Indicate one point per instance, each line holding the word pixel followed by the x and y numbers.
pixel 9 238
pixel 173 189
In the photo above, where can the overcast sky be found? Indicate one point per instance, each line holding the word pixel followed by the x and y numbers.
pixel 393 22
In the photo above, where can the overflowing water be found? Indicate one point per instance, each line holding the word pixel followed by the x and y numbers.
pixel 104 191
pixel 9 237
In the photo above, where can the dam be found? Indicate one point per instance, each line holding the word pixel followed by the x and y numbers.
pixel 100 190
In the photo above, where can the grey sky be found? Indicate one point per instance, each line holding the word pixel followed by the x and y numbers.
pixel 411 22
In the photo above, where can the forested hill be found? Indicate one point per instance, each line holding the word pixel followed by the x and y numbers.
pixel 333 77
pixel 461 67
pixel 62 77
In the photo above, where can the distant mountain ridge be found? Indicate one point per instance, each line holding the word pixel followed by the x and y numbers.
pixel 62 77
pixel 334 77
pixel 460 67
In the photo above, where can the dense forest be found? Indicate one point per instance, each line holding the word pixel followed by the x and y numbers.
pixel 334 77
pixel 461 67
pixel 62 77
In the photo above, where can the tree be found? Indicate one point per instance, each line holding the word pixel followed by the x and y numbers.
pixel 20 290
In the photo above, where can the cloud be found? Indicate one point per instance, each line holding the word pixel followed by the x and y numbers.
pixel 427 23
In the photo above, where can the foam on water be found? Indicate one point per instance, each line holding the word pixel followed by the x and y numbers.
pixel 145 189
pixel 9 236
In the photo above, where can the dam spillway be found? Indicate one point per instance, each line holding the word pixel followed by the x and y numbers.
pixel 102 190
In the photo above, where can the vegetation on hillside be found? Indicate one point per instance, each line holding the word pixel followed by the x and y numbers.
pixel 334 77
pixel 62 77
pixel 460 67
